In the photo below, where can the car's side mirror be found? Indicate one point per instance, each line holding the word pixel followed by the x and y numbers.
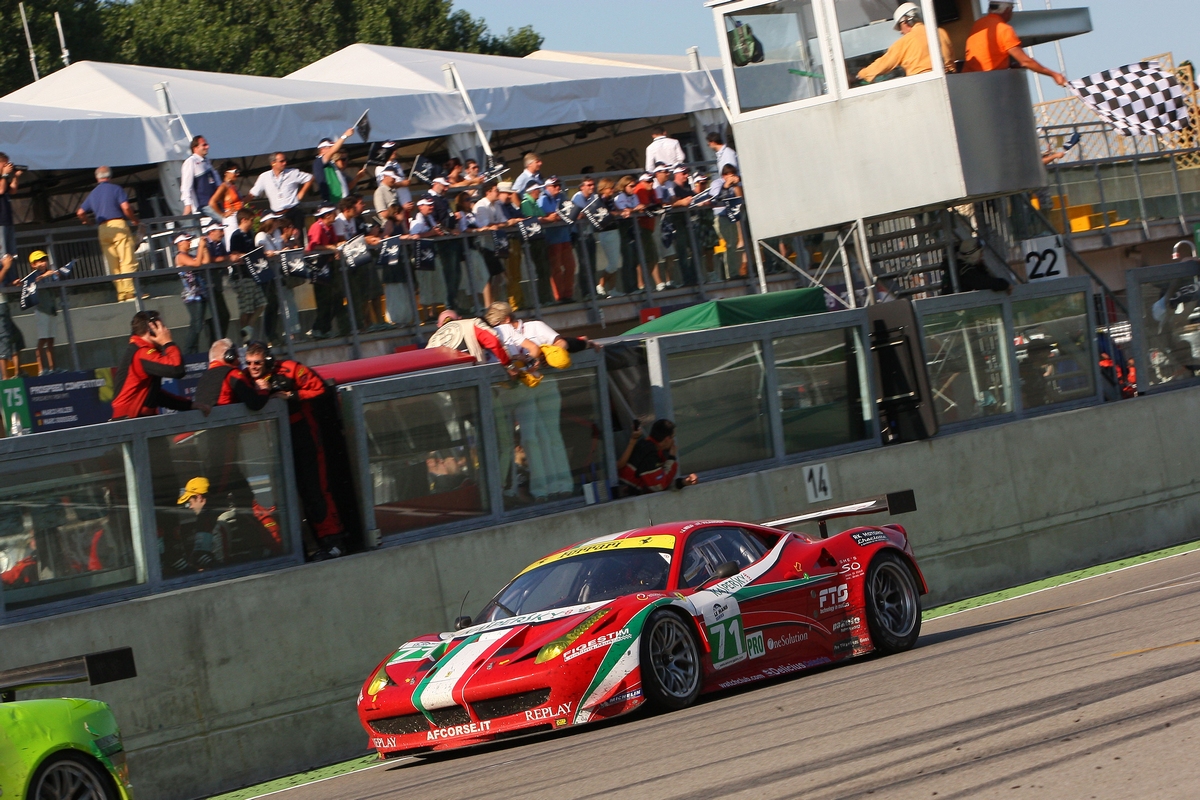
pixel 726 570
pixel 462 622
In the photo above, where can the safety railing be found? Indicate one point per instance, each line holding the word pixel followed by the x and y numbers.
pixel 96 514
pixel 382 290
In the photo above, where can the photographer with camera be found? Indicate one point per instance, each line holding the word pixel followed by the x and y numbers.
pixel 651 464
pixel 322 466
pixel 150 357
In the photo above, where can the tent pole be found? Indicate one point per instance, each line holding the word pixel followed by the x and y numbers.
pixel 462 91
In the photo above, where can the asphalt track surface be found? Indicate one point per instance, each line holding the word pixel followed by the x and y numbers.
pixel 1088 690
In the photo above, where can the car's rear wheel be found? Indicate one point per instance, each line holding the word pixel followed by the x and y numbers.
pixel 893 604
pixel 71 776
pixel 671 665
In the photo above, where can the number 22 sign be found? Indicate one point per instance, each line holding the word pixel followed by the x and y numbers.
pixel 1045 258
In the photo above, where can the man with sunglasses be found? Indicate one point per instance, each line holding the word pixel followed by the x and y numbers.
pixel 321 464
pixel 285 188
pixel 150 357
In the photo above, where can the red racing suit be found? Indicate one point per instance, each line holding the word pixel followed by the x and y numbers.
pixel 223 385
pixel 139 376
pixel 308 448
pixel 649 469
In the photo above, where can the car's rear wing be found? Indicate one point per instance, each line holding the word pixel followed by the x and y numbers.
pixel 893 503
pixel 94 668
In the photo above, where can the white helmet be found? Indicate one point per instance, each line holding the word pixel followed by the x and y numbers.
pixel 999 6
pixel 907 12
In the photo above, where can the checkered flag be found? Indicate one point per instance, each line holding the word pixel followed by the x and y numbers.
pixel 1138 99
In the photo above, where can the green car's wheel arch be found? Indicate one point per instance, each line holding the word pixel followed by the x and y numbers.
pixel 70 775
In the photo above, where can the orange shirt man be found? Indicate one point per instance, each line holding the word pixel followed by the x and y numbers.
pixel 993 41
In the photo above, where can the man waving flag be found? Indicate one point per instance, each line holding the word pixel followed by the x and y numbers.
pixel 1139 99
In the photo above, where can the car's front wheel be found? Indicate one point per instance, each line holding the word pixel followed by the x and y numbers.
pixel 71 776
pixel 893 604
pixel 671 665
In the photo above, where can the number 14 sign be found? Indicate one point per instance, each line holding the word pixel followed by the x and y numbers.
pixel 1045 258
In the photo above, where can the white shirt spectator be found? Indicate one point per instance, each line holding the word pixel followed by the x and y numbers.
pixel 192 168
pixel 524 179
pixel 422 223
pixel 344 228
pixel 488 213
pixel 282 190
pixel 664 150
pixel 271 242
pixel 726 155
pixel 534 330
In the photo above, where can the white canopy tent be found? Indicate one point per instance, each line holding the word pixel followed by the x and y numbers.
pixel 93 113
pixel 513 93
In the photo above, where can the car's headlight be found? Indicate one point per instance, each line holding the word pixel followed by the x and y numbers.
pixel 379 681
pixel 562 643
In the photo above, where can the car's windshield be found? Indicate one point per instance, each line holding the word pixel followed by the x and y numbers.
pixel 589 578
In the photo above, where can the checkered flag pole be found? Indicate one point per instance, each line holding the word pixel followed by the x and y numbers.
pixel 1138 99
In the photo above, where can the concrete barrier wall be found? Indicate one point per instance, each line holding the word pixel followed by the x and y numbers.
pixel 257 677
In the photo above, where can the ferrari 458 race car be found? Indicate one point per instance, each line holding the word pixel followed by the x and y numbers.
pixel 656 615
pixel 63 748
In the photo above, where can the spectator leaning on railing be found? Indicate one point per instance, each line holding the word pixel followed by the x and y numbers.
pixel 109 206
pixel 194 294
pixel 559 254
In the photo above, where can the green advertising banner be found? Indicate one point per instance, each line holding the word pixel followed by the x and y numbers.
pixel 14 400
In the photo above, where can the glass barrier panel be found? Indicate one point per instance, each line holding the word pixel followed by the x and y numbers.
pixel 968 373
pixel 426 461
pixel 1171 320
pixel 218 497
pixel 720 406
pixel 1054 350
pixel 776 56
pixel 66 530
pixel 549 437
pixel 820 389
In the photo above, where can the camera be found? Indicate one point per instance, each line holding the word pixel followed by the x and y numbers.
pixel 280 383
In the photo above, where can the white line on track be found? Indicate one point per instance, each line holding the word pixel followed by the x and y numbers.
pixel 1060 585
pixel 389 763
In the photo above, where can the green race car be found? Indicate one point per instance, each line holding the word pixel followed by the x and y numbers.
pixel 63 749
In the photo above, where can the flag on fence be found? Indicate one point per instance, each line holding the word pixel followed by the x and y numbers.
pixel 1139 99
pixel 319 267
pixel 292 263
pixel 356 253
pixel 258 266
pixel 529 228
pixel 426 257
pixel 568 211
pixel 598 214
pixel 389 252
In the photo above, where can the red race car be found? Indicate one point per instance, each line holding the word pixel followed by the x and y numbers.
pixel 656 615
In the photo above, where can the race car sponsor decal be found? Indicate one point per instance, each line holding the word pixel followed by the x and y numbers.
pixel 383 742
pixel 866 538
pixel 833 598
pixel 728 641
pixel 846 625
pixel 851 568
pixel 458 730
pixel 437 691
pixel 754 644
pixel 597 643
pixel 787 640
pixel 846 645
pixel 623 697
pixel 620 660
pixel 659 542
pixel 415 651
pixel 546 712
pixel 525 619
pixel 787 669
pixel 739 681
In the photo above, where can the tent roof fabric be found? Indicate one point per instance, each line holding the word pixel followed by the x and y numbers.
pixel 238 114
pixel 737 311
pixel 671 63
pixel 513 93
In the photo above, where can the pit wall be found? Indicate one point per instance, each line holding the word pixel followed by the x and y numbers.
pixel 253 678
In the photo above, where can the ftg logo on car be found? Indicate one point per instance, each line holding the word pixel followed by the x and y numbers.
pixel 834 597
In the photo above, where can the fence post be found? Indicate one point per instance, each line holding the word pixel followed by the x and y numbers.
pixel 66 309
pixel 589 278
pixel 647 274
pixel 285 311
pixel 696 265
pixel 355 349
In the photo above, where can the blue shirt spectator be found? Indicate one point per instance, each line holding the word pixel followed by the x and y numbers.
pixel 104 203
pixel 556 233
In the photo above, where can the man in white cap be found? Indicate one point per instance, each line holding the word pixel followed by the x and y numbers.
pixel 430 286
pixel 911 50
pixel 322 238
pixel 325 170
pixel 392 185
pixel 993 42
